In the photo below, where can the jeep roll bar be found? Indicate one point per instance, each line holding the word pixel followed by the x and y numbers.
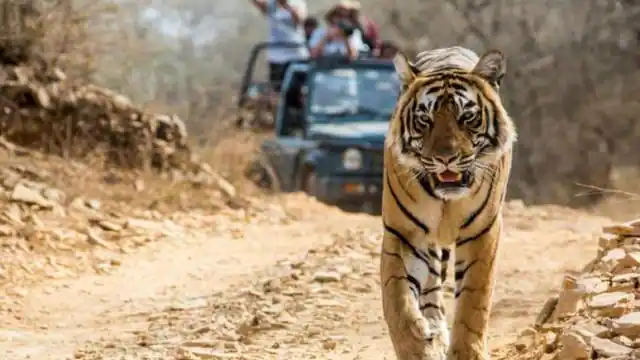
pixel 253 56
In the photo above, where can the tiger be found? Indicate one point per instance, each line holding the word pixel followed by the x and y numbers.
pixel 447 159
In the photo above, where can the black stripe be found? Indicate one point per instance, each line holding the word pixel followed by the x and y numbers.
pixel 446 76
pixel 433 89
pixel 446 72
pixel 410 278
pixel 392 254
pixel 461 273
pixel 444 272
pixel 430 306
pixel 444 263
pixel 412 125
pixel 414 292
pixel 426 186
pixel 413 281
pixel 404 210
pixel 418 254
pixel 461 94
pixel 459 276
pixel 485 149
pixel 446 255
pixel 459 292
pixel 430 290
pixel 458 86
pixel 493 117
pixel 487 117
pixel 461 242
pixel 479 210
pixel 403 128
pixel 496 125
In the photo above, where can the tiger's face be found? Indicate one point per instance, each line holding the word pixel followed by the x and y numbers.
pixel 450 128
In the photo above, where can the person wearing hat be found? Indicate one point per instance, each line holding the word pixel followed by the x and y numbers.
pixel 337 37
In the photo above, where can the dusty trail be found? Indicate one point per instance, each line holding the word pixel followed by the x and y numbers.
pixel 262 294
pixel 61 315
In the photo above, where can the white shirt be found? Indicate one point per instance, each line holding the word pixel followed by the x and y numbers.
pixel 283 29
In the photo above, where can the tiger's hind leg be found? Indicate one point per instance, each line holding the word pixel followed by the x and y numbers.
pixel 413 299
pixel 474 275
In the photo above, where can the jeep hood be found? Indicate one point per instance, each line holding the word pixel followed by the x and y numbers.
pixel 369 131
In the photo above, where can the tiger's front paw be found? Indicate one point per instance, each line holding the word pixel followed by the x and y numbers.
pixel 436 332
pixel 430 339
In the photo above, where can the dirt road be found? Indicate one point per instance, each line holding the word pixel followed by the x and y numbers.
pixel 307 289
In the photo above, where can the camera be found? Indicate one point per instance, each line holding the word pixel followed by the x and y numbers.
pixel 346 27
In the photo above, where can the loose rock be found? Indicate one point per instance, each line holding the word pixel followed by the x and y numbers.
pixel 597 314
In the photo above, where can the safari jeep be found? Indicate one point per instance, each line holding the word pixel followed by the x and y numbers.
pixel 330 126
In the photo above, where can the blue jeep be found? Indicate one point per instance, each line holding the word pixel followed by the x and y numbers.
pixel 330 126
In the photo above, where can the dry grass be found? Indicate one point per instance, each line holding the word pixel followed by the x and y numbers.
pixel 621 203
pixel 120 189
pixel 229 151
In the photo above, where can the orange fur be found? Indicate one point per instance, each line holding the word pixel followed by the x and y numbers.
pixel 450 97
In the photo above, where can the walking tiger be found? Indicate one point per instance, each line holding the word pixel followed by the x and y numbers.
pixel 447 160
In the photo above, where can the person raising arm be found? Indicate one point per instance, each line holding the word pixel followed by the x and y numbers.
pixel 260 5
pixel 285 26
pixel 297 16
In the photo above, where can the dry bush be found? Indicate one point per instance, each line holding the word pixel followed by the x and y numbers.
pixel 232 151
pixel 45 109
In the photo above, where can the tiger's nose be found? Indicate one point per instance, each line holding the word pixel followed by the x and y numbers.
pixel 446 158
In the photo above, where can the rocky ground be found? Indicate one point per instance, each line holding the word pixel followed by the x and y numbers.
pixel 117 269
pixel 60 218
pixel 597 313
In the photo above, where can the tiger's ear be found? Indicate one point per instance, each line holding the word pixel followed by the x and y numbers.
pixel 405 69
pixel 492 66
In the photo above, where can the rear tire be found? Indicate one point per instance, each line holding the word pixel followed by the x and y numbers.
pixel 263 175
pixel 309 180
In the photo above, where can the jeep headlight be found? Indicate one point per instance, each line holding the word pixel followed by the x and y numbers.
pixel 352 159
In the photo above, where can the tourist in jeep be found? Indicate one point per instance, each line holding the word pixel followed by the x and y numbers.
pixel 338 37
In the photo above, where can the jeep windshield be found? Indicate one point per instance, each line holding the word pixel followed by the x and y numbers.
pixel 348 94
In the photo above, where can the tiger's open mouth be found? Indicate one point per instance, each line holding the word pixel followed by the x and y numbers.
pixel 452 179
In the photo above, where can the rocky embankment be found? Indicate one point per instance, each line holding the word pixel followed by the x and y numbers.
pixel 42 109
pixel 597 313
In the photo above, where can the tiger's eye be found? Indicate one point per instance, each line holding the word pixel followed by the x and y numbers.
pixel 466 117
pixel 423 119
